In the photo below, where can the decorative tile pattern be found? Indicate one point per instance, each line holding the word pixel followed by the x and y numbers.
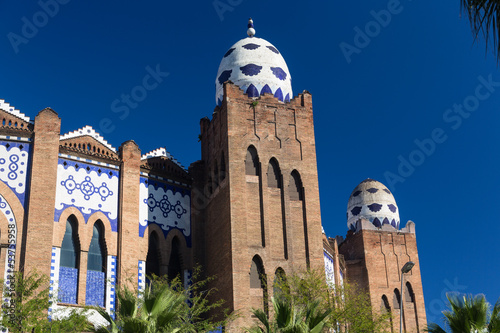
pixel 10 257
pixel 165 205
pixel 54 277
pixel 373 201
pixel 94 291
pixel 329 270
pixel 254 61
pixel 111 286
pixel 87 187
pixel 279 73
pixel 251 46
pixel 141 277
pixel 14 158
pixel 251 69
pixel 68 285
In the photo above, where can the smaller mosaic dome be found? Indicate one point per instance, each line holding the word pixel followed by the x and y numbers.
pixel 372 201
pixel 257 67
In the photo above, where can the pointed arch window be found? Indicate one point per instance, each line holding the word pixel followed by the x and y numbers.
pixel 280 284
pixel 153 256
pixel 409 295
pixel 273 174
pixel 252 162
pixel 96 267
pixel 396 299
pixel 97 252
pixel 295 187
pixel 385 307
pixel 69 262
pixel 175 263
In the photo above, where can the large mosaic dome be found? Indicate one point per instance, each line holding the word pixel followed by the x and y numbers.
pixel 257 67
pixel 372 200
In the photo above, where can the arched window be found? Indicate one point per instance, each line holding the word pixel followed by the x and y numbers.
pixel 252 162
pixel 295 186
pixel 385 307
pixel 258 280
pixel 69 247
pixel 409 295
pixel 280 284
pixel 256 273
pixel 222 167
pixel 153 257
pixel 68 269
pixel 96 267
pixel 175 263
pixel 396 299
pixel 273 174
pixel 96 258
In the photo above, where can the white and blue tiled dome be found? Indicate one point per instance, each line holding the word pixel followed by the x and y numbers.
pixel 257 67
pixel 372 201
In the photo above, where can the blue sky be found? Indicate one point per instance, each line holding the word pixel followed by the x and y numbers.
pixel 399 86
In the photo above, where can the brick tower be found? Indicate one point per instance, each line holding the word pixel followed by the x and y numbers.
pixel 375 250
pixel 255 204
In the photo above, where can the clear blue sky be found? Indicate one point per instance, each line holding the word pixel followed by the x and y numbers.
pixel 398 87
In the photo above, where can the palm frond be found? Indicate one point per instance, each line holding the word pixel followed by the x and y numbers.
pixel 484 18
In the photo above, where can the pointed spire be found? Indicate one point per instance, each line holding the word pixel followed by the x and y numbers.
pixel 251 30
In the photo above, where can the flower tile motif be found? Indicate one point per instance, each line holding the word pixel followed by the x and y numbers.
pixel 165 205
pixel 89 188
pixel 251 46
pixel 279 73
pixel 251 69
pixel 14 166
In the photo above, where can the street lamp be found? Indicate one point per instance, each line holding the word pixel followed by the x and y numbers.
pixel 406 268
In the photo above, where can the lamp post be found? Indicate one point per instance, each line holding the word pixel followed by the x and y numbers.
pixel 405 269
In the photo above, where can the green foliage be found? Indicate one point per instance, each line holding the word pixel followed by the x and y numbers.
pixel 27 309
pixel 469 314
pixel 165 306
pixel 484 17
pixel 298 299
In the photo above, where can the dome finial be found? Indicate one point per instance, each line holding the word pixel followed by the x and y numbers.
pixel 251 30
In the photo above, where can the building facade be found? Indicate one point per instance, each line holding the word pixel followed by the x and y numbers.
pixel 92 217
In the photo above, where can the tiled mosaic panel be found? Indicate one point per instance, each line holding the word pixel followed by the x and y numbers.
pixel 68 285
pixel 96 282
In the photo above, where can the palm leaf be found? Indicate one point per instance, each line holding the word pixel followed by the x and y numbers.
pixel 494 325
pixel 484 18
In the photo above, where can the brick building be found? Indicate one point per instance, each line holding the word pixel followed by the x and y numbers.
pixel 92 216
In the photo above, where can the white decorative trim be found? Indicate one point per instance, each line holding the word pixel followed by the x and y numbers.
pixel 13 111
pixel 54 278
pixel 86 160
pixel 111 285
pixel 161 152
pixel 141 276
pixel 87 131
pixel 14 138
